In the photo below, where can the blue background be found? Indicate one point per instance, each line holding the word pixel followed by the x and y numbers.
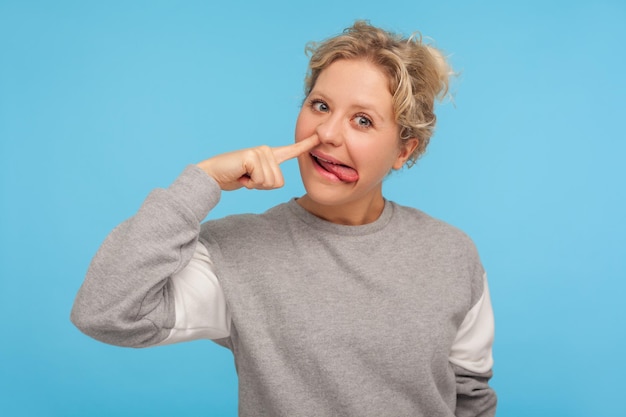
pixel 100 102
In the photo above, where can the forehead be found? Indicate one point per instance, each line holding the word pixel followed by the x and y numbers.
pixel 355 80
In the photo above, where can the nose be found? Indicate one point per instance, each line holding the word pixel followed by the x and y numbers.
pixel 329 131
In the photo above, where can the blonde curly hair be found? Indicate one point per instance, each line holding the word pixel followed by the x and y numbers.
pixel 418 74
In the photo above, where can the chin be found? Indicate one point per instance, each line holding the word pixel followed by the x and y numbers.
pixel 325 195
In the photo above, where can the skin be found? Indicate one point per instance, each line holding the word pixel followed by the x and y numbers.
pixel 350 108
pixel 348 119
pixel 254 168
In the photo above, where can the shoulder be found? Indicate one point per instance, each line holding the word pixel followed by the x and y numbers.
pixel 246 240
pixel 426 227
pixel 248 224
pixel 442 244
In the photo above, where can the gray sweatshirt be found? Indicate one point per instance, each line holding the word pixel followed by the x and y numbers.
pixel 392 318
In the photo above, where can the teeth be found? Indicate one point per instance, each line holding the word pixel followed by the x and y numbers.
pixel 325 160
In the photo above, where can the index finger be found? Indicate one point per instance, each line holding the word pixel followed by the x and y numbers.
pixel 284 153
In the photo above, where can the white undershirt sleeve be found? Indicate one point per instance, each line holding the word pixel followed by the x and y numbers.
pixel 201 310
pixel 472 348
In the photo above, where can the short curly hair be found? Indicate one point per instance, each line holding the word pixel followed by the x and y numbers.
pixel 418 74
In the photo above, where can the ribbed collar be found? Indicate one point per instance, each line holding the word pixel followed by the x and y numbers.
pixel 325 226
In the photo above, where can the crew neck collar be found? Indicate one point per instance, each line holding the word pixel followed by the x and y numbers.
pixel 324 225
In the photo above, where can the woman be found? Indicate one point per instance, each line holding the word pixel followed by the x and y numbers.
pixel 336 303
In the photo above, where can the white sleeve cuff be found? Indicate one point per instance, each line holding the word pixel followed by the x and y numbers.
pixel 472 348
pixel 201 310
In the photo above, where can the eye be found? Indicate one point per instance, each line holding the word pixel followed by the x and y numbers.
pixel 319 105
pixel 363 121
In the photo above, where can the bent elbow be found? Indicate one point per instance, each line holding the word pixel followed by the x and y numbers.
pixel 116 331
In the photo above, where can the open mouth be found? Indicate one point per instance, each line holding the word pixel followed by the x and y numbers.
pixel 341 171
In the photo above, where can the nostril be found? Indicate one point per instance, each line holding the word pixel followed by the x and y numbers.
pixel 328 136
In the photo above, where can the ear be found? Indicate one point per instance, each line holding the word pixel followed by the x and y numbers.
pixel 406 149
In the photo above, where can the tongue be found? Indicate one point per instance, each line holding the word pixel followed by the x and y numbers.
pixel 344 173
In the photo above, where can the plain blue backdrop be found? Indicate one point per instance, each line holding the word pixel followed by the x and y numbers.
pixel 100 102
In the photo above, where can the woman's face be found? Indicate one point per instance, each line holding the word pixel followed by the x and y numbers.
pixel 350 109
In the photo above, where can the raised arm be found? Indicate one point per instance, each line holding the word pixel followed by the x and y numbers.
pixel 151 278
pixel 126 298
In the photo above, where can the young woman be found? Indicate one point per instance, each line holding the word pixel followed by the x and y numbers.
pixel 337 303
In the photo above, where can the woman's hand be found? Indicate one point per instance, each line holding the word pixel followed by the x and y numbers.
pixel 256 168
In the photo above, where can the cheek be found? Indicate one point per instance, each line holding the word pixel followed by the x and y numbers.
pixel 301 127
pixel 306 124
pixel 379 158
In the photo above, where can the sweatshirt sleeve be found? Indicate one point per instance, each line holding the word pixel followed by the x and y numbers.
pixel 128 297
pixel 472 360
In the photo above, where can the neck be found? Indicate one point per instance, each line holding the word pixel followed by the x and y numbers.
pixel 350 214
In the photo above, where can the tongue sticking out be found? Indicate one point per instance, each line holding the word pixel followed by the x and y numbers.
pixel 343 172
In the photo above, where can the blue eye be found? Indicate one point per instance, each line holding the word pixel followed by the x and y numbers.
pixel 362 121
pixel 319 105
